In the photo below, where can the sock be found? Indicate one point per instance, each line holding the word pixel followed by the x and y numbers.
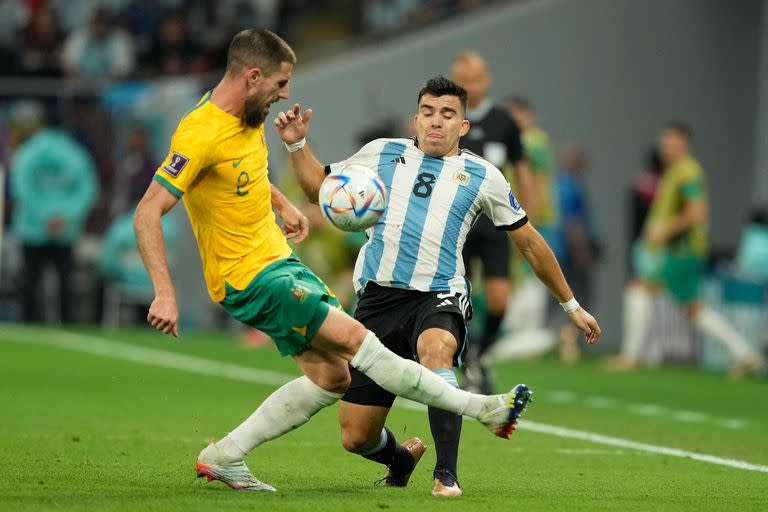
pixel 411 380
pixel 287 408
pixel 446 431
pixel 637 316
pixel 712 323
pixel 390 453
pixel 491 331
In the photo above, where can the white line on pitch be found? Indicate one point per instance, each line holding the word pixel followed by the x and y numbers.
pixel 569 397
pixel 155 357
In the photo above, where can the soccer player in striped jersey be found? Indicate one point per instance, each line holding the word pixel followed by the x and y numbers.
pixel 410 274
pixel 217 164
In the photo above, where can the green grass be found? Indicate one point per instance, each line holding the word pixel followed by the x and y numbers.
pixel 88 432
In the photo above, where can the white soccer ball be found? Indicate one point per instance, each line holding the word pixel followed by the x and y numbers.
pixel 353 198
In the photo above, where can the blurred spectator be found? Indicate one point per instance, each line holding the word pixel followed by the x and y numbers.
pixel 15 15
pixel 581 249
pixel 100 50
pixel 752 254
pixel 173 51
pixel 41 54
pixel 134 172
pixel 53 187
pixel 670 257
pixel 538 153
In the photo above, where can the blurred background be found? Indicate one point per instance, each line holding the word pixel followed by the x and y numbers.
pixel 97 88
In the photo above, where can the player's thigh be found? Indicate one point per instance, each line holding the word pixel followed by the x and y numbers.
pixel 339 334
pixel 327 370
pixel 441 329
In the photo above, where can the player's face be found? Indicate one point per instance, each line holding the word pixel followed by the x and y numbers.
pixel 472 74
pixel 263 91
pixel 439 124
pixel 672 146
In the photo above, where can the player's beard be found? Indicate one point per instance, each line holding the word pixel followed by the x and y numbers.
pixel 255 112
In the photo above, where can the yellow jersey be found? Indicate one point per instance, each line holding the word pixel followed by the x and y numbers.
pixel 218 166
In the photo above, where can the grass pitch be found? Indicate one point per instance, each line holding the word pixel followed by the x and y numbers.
pixel 112 426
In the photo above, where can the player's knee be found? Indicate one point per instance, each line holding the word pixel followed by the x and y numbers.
pixel 436 350
pixel 355 440
pixel 335 382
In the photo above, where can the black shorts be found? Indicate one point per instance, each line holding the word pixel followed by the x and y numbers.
pixel 398 317
pixel 491 246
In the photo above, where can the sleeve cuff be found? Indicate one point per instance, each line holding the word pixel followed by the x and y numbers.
pixel 517 225
pixel 165 183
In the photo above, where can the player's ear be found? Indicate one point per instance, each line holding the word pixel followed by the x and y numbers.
pixel 253 76
pixel 464 128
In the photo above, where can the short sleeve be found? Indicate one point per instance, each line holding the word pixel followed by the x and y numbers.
pixel 187 157
pixel 499 203
pixel 369 155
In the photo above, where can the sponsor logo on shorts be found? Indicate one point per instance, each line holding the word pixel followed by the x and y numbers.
pixel 178 162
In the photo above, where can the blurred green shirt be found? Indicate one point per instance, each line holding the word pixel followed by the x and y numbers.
pixel 681 183
pixel 538 151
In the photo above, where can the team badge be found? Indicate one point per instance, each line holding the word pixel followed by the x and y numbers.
pixel 300 294
pixel 461 177
pixel 513 201
pixel 178 162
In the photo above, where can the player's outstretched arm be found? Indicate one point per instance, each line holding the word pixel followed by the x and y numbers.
pixel 295 224
pixel 544 264
pixel 163 313
pixel 292 127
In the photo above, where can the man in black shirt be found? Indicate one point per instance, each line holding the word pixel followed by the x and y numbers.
pixel 494 136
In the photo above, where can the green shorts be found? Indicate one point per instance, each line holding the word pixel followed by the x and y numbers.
pixel 286 300
pixel 679 272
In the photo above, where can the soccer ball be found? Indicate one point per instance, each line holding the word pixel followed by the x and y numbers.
pixel 353 198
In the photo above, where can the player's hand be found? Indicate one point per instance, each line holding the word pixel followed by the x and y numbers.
pixel 295 224
pixel 587 323
pixel 164 315
pixel 292 125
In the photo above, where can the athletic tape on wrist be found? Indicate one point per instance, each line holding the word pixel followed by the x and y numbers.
pixel 570 306
pixel 296 145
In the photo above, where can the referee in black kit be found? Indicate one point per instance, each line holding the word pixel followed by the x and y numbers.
pixel 494 136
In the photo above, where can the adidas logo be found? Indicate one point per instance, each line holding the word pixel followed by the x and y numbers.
pixel 400 160
pixel 446 302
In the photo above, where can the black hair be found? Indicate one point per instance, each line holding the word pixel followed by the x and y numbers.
pixel 441 86
pixel 258 48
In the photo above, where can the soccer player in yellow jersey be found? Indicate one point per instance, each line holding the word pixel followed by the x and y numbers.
pixel 217 163
pixel 671 257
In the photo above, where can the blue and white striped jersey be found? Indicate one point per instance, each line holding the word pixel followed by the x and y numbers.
pixel 431 205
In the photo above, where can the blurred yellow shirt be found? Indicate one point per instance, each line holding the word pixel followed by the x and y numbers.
pixel 218 166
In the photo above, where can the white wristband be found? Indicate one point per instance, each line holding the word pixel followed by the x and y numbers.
pixel 570 306
pixel 296 145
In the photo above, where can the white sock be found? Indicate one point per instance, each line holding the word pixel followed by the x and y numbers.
pixel 411 380
pixel 286 409
pixel 712 323
pixel 637 317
